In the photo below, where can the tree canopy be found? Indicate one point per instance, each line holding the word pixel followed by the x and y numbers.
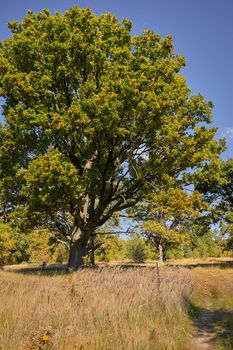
pixel 219 192
pixel 164 217
pixel 94 118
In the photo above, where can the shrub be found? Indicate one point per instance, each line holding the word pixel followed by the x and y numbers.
pixel 7 244
pixel 136 249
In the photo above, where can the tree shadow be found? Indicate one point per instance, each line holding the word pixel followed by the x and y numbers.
pixel 61 269
pixel 54 269
pixel 212 325
pixel 48 270
pixel 222 264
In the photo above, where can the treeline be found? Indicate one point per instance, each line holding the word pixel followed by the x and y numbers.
pixel 39 246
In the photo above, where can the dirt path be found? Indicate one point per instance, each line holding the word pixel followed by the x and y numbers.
pixel 204 334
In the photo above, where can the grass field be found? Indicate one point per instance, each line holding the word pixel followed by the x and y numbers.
pixel 170 308
pixel 214 296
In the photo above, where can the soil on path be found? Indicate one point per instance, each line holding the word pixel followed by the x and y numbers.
pixel 204 333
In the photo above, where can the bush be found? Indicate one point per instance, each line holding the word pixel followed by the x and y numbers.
pixel 7 245
pixel 136 249
pixel 40 248
pixel 108 247
pixel 60 253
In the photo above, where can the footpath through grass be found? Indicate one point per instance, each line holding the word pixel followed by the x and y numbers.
pixel 212 305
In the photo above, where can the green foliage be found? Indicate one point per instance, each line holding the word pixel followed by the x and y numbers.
pixel 7 244
pixel 60 253
pixel 40 248
pixel 136 249
pixel 164 217
pixel 206 246
pixel 203 243
pixel 21 251
pixel 94 118
pixel 109 247
pixel 219 192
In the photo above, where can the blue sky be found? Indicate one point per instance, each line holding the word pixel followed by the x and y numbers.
pixel 202 31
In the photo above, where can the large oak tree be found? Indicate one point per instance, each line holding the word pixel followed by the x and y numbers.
pixel 94 117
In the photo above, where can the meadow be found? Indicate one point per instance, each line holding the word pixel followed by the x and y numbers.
pixel 115 307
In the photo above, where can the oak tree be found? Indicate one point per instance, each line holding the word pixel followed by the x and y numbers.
pixel 166 215
pixel 93 117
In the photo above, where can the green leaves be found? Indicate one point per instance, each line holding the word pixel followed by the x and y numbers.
pixel 94 117
pixel 165 216
pixel 7 244
pixel 48 177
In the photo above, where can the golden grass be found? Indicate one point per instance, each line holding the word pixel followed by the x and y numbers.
pixel 196 262
pixel 214 290
pixel 109 308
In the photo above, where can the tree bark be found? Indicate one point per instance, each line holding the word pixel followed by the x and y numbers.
pixel 161 255
pixel 92 250
pixel 77 253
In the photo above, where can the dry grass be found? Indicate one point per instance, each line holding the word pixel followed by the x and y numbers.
pixel 214 289
pixel 204 262
pixel 109 308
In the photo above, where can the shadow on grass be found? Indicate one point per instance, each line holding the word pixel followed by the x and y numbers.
pixel 53 269
pixel 222 264
pixel 60 269
pixel 212 326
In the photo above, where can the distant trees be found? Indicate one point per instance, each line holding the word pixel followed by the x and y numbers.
pixel 218 191
pixel 39 246
pixel 202 243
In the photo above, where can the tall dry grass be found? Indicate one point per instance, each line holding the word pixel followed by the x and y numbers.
pixel 214 292
pixel 111 308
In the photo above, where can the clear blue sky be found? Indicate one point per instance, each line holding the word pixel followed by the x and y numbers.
pixel 202 31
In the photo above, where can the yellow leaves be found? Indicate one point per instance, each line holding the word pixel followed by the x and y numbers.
pixel 45 338
pixel 40 339
pixel 4 65
pixel 39 245
pixel 7 244
pixel 176 201
pixel 169 211
pixel 59 122
pixel 157 227
pixel 165 233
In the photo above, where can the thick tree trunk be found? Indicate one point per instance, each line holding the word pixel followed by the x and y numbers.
pixel 78 251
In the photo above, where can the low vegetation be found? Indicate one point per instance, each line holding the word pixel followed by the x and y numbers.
pixel 94 309
pixel 214 292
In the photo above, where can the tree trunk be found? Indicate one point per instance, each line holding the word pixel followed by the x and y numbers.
pixel 161 255
pixel 92 250
pixel 78 251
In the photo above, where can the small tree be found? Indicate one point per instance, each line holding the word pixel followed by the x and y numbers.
pixel 136 249
pixel 164 216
